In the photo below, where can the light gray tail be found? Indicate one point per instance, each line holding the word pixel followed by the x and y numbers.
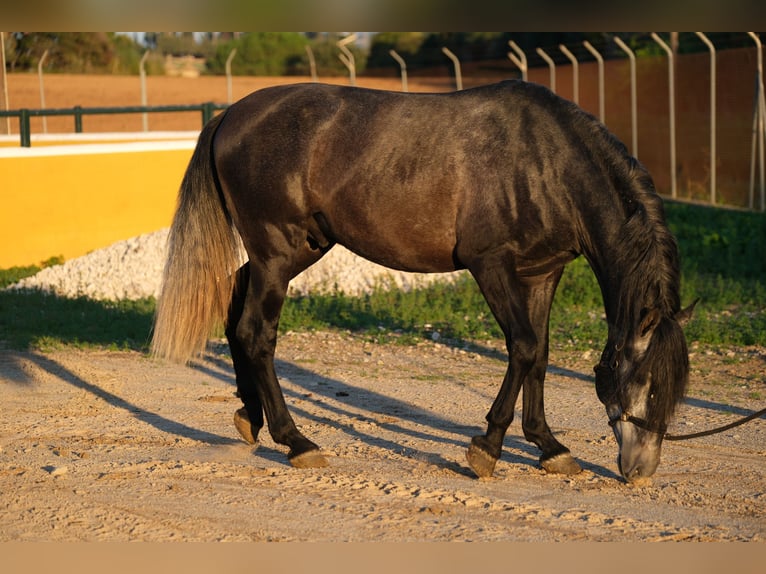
pixel 203 254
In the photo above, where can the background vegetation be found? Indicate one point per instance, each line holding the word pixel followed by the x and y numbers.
pixel 722 259
pixel 284 53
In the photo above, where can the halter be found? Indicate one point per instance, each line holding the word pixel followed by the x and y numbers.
pixel 606 382
pixel 639 422
pixel 606 373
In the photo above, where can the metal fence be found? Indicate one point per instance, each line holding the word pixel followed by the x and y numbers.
pixel 699 119
pixel 207 110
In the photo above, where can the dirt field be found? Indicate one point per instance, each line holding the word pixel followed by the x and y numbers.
pixel 98 446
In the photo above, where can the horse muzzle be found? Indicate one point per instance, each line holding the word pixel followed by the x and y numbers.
pixel 639 450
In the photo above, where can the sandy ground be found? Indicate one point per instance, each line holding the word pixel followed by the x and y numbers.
pixel 113 446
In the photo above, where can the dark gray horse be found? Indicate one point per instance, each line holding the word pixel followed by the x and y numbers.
pixel 508 181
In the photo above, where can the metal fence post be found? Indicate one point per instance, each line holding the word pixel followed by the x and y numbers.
pixel 710 46
pixel 633 98
pixel 600 60
pixel 312 63
pixel 575 73
pixel 403 68
pixel 551 67
pixel 24 130
pixel 42 88
pixel 208 109
pixel 77 113
pixel 228 74
pixel 6 104
pixel 671 111
pixel 456 63
pixel 347 57
pixel 520 59
pixel 759 116
pixel 142 74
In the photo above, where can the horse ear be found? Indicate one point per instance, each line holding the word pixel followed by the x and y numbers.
pixel 685 315
pixel 649 320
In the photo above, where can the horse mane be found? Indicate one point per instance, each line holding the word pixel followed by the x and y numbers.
pixel 647 261
pixel 646 252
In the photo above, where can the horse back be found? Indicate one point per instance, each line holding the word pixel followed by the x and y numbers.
pixel 418 182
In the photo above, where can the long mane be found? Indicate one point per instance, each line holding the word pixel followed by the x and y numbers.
pixel 646 259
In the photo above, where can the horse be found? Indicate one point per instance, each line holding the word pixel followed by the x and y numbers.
pixel 507 180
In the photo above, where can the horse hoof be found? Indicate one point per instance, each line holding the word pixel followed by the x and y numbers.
pixel 482 463
pixel 562 463
pixel 245 427
pixel 309 459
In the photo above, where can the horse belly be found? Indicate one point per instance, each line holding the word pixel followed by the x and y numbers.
pixel 404 239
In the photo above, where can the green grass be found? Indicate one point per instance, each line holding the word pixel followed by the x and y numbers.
pixel 41 321
pixel 723 257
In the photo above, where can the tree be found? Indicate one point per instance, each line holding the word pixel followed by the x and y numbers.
pixel 406 44
pixel 75 52
pixel 280 54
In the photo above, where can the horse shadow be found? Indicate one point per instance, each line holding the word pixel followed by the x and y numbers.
pixel 151 418
pixel 340 401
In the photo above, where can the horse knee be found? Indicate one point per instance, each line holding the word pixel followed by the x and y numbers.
pixel 524 353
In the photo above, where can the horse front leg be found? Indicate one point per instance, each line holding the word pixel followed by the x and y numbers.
pixel 521 307
pixel 555 456
pixel 485 450
pixel 506 297
pixel 255 338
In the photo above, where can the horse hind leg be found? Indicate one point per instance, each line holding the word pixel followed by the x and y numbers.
pixel 254 342
pixel 248 420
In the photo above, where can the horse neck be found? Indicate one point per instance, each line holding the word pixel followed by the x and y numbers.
pixel 635 260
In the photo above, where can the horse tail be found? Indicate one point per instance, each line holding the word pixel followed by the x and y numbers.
pixel 203 255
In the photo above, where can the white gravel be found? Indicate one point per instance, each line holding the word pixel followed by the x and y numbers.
pixel 132 269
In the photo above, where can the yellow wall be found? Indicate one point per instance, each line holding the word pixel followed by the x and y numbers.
pixel 71 204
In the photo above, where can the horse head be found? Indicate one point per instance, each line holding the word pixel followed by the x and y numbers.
pixel 640 379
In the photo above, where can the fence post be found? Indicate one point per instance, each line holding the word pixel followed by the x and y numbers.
pixel 633 98
pixel 77 119
pixel 24 130
pixel 347 57
pixel 142 74
pixel 520 59
pixel 456 63
pixel 671 111
pixel 575 73
pixel 312 63
pixel 710 46
pixel 551 67
pixel 42 89
pixel 600 60
pixel 228 73
pixel 207 112
pixel 759 116
pixel 403 66
pixel 6 104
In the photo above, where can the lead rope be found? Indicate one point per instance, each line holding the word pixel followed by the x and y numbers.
pixel 716 430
